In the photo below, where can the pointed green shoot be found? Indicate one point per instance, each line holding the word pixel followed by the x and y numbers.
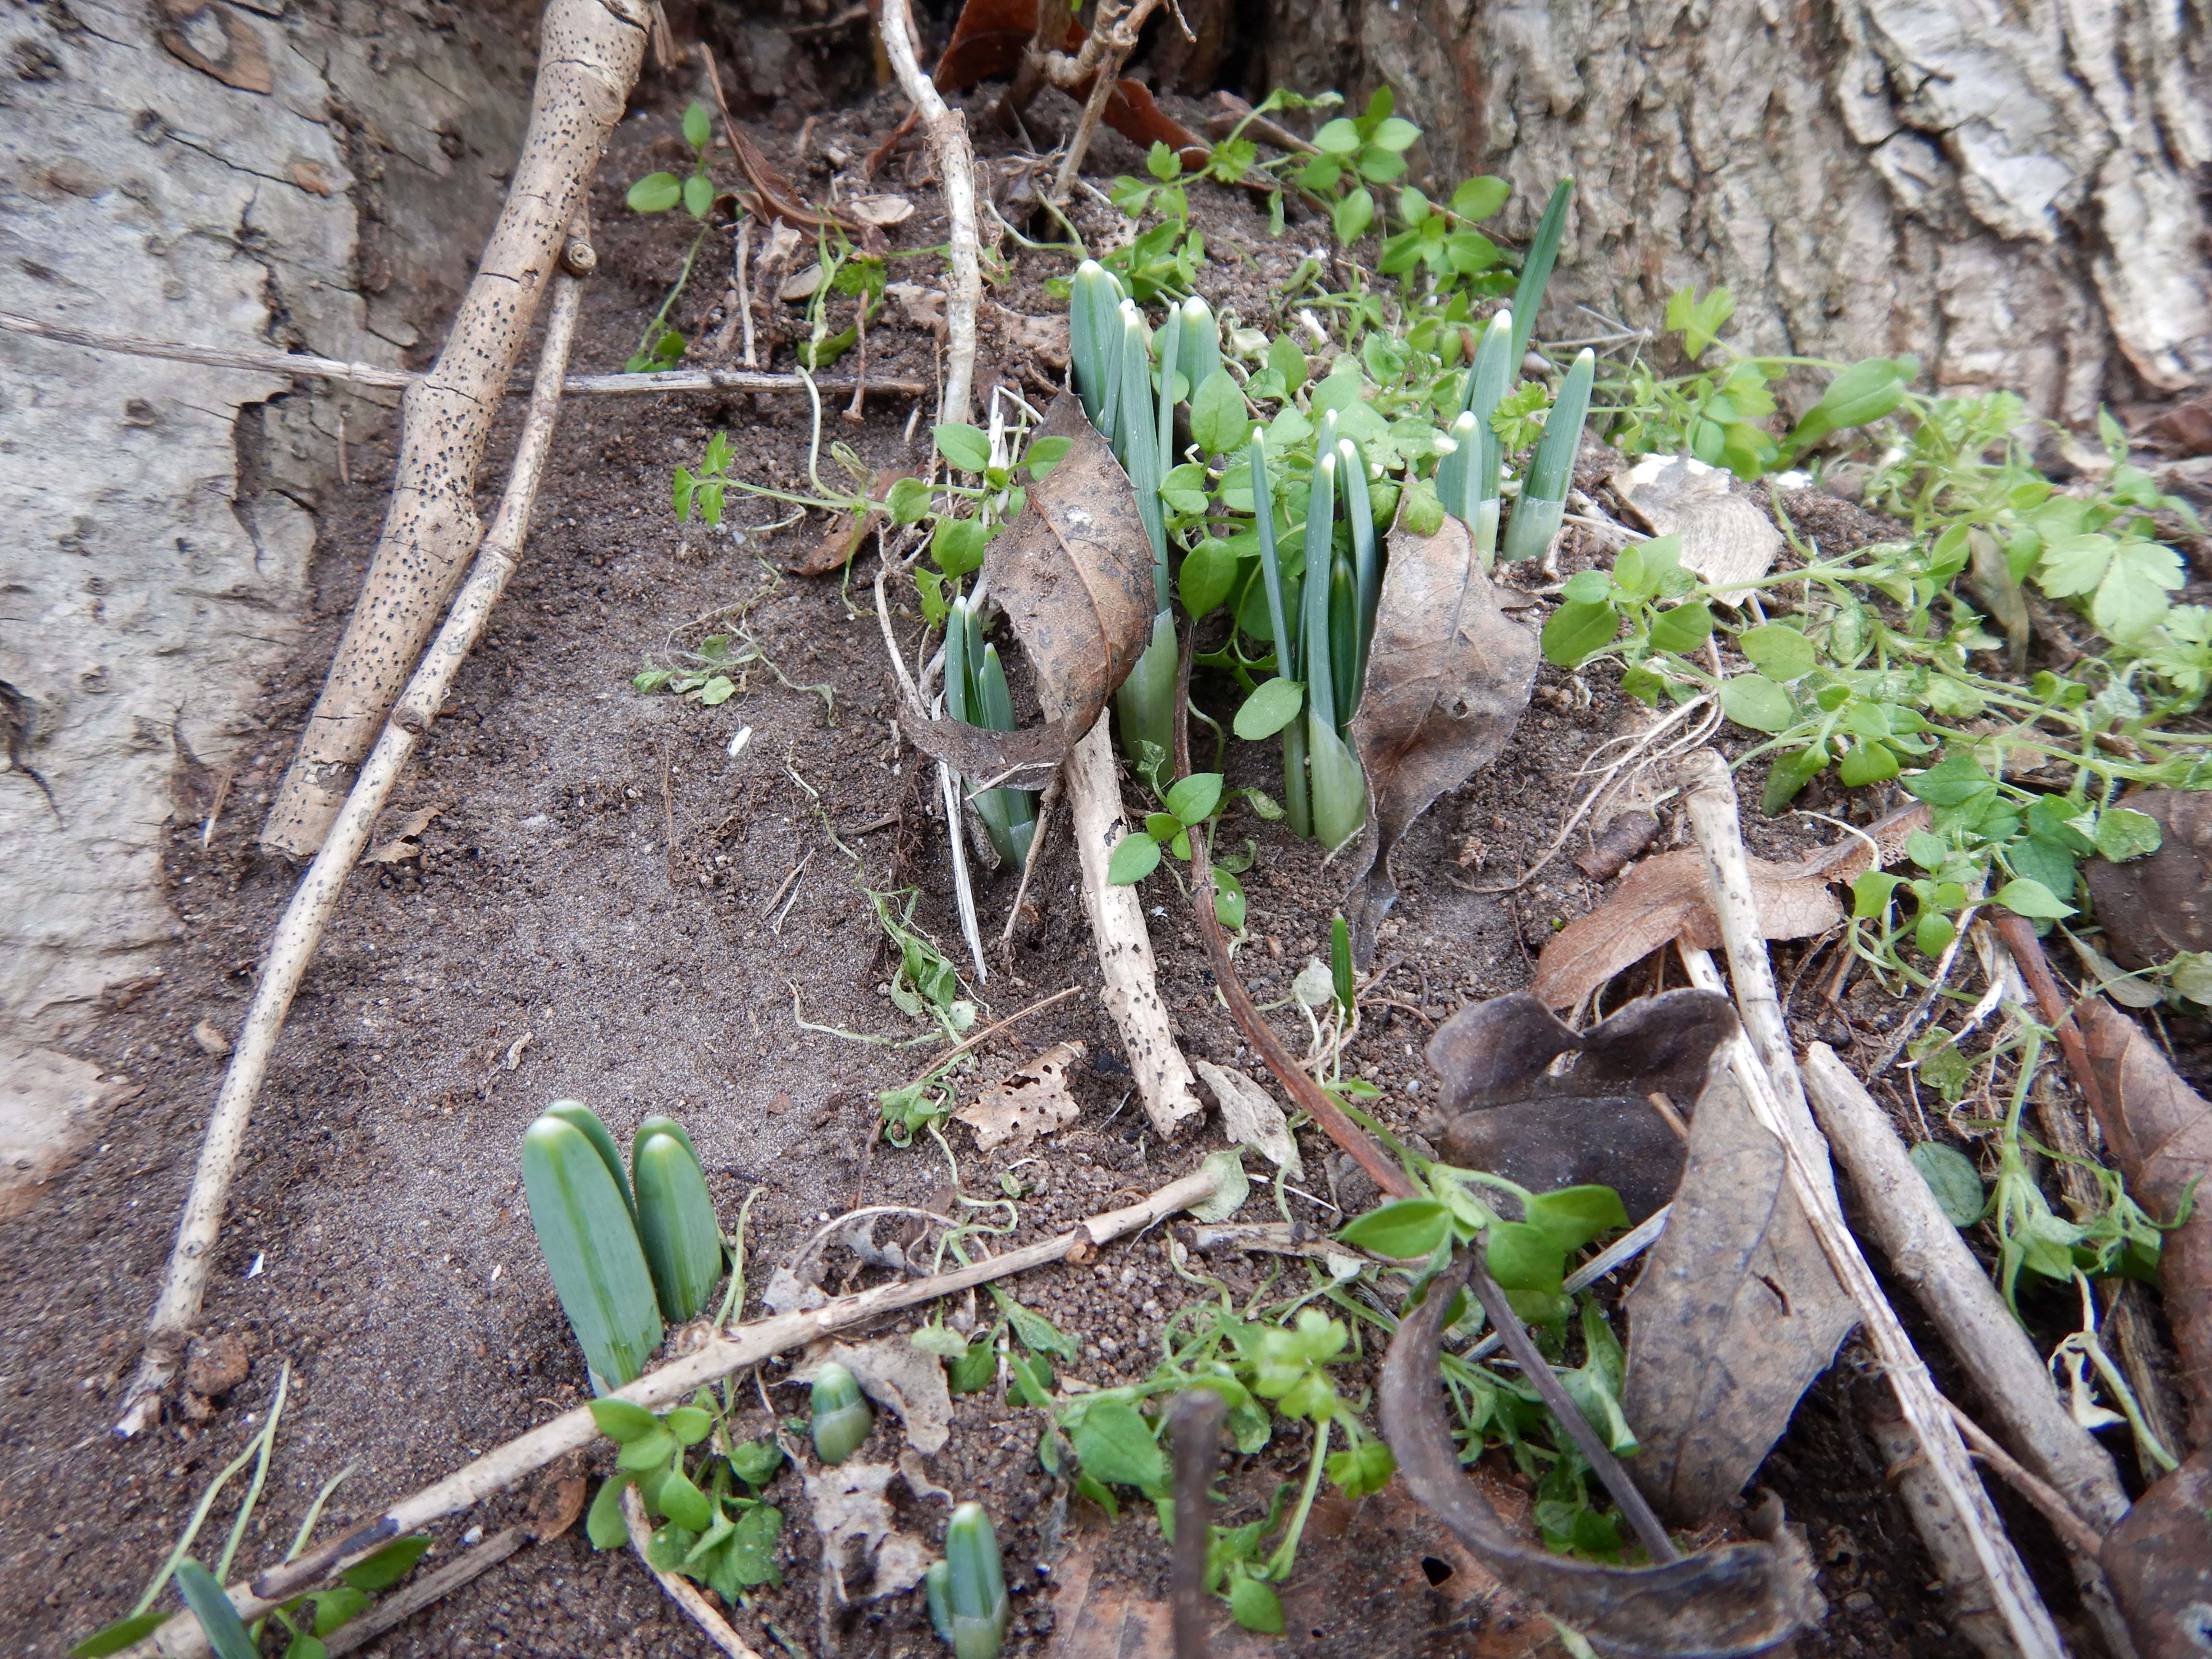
pixel 1366 568
pixel 602 1142
pixel 1536 268
pixel 1169 343
pixel 1343 638
pixel 591 1248
pixel 1543 503
pixel 996 707
pixel 1200 352
pixel 1136 439
pixel 974 1585
pixel 676 1223
pixel 1493 373
pixel 1146 699
pixel 1094 340
pixel 1454 478
pixel 1271 567
pixel 1339 788
pixel 1321 561
pixel 226 1631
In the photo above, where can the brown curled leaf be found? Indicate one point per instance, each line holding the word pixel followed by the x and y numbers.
pixel 1447 679
pixel 1664 898
pixel 1736 1314
pixel 1073 574
pixel 1741 1599
pixel 1592 1124
pixel 2150 908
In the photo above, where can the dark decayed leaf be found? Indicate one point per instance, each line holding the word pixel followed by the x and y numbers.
pixel 1074 575
pixel 1592 1125
pixel 2150 908
pixel 1448 676
pixel 1737 1313
pixel 1740 1599
pixel 2160 1131
pixel 2160 1560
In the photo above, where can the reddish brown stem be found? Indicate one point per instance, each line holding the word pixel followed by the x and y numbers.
pixel 1308 1095
pixel 2019 935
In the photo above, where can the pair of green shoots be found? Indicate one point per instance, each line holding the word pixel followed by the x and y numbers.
pixel 1321 664
pixel 1470 479
pixel 975 693
pixel 626 1250
pixel 1113 366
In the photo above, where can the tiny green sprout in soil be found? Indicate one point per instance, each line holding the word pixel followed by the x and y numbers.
pixel 1271 455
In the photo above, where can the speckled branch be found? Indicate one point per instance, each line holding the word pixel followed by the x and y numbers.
pixel 184 1283
pixel 588 61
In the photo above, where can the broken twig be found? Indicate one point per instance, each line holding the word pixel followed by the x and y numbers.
pixel 947 133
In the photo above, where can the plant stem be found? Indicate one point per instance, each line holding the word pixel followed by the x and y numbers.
pixel 1286 1552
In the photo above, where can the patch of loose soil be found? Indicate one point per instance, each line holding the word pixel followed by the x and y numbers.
pixel 604 908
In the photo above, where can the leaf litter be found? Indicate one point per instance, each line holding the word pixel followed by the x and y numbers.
pixel 1031 1101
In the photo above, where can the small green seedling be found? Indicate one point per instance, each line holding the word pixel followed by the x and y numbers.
pixel 967 1590
pixel 842 1419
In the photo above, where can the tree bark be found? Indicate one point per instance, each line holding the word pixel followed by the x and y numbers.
pixel 2014 193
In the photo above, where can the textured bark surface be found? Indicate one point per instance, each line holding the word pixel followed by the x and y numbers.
pixel 589 56
pixel 159 516
pixel 2015 193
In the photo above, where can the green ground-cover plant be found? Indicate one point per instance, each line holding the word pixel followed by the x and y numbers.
pixel 662 346
pixel 703 1486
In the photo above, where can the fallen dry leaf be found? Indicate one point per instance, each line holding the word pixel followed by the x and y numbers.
pixel 882 212
pixel 1041 336
pixel 1736 1314
pixel 1725 539
pixel 922 305
pixel 801 284
pixel 1073 574
pixel 846 532
pixel 1506 1111
pixel 1447 679
pixel 1740 1599
pixel 1666 898
pixel 556 1498
pixel 407 843
pixel 866 1555
pixel 1250 1117
pixel 211 1040
pixel 1025 1103
pixel 898 1376
pixel 2150 908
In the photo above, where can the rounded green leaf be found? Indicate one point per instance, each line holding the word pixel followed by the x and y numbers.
pixel 1337 137
pixel 964 445
pixel 1228 900
pixel 1219 418
pixel 1271 706
pixel 1779 651
pixel 1684 628
pixel 2124 834
pixel 656 192
pixel 1479 197
pixel 1192 800
pixel 689 1424
pixel 698 195
pixel 604 1524
pixel 622 1422
pixel 1576 633
pixel 1574 1215
pixel 1134 857
pixel 1254 1606
pixel 909 501
pixel 1409 1228
pixel 1525 1257
pixel 684 1503
pixel 698 130
pixel 2025 897
pixel 1868 762
pixel 1208 575
pixel 647 1453
pixel 1756 701
pixel 1352 215
pixel 1587 588
pixel 1933 932
pixel 1114 1445
pixel 1952 1176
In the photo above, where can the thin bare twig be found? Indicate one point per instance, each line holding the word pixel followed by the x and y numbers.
pixel 399 380
pixel 1051 799
pixel 1112 39
pixel 990 1031
pixel 293 944
pixel 955 165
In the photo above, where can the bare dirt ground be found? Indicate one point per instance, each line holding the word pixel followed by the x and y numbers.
pixel 599 910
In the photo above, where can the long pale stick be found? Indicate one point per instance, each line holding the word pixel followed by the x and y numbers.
pixel 293 944
pixel 947 133
pixel 399 380
pixel 671 1385
pixel 1756 1055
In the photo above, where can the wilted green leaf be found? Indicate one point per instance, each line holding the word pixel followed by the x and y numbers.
pixel 1951 1176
